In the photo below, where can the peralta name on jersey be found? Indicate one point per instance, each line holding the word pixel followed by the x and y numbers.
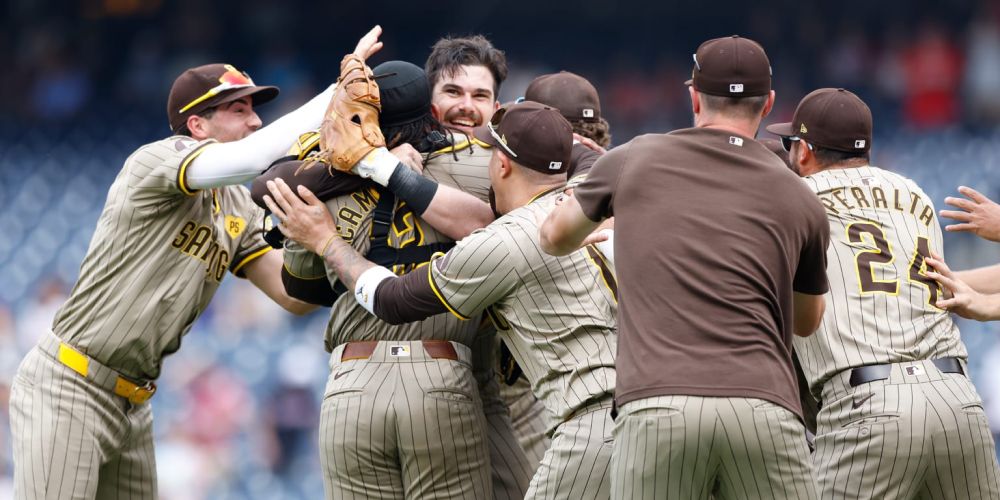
pixel 877 198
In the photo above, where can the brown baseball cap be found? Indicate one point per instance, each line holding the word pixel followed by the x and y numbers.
pixel 570 93
pixel 731 67
pixel 198 89
pixel 830 118
pixel 532 134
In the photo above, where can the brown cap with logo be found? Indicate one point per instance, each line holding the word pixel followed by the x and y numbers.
pixel 198 89
pixel 731 67
pixel 571 94
pixel 830 118
pixel 532 134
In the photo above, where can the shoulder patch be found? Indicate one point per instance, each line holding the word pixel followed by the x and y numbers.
pixel 235 225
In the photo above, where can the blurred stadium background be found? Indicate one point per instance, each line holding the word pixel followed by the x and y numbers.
pixel 85 82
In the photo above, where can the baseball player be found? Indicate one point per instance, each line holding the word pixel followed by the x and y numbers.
pixel 429 436
pixel 899 416
pixel 171 228
pixel 716 274
pixel 557 315
pixel 465 75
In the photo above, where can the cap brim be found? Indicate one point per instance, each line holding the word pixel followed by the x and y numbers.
pixel 781 129
pixel 483 134
pixel 259 95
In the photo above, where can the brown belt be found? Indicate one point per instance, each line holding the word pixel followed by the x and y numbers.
pixel 437 349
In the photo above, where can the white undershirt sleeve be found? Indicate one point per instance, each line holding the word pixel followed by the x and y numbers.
pixel 236 162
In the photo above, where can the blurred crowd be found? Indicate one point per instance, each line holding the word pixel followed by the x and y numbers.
pixel 237 410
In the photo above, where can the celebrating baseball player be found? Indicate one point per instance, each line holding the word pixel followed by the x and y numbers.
pixel 395 376
pixel 716 274
pixel 174 223
pixel 557 315
pixel 899 417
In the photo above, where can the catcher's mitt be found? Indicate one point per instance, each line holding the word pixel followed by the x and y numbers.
pixel 350 129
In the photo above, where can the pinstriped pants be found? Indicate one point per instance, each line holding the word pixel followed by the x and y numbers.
pixel 688 447
pixel 75 440
pixel 575 467
pixel 919 434
pixel 403 427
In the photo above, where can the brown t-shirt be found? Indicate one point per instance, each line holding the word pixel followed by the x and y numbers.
pixel 712 234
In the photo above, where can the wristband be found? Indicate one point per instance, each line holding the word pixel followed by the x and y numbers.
pixel 378 166
pixel 416 190
pixel 367 284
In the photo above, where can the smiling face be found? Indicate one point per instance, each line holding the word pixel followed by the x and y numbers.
pixel 464 100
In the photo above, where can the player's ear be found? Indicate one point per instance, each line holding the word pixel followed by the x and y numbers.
pixel 506 166
pixel 198 126
pixel 768 105
pixel 695 103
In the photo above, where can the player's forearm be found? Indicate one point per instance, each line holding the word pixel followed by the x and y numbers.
pixel 341 258
pixel 448 210
pixel 565 229
pixel 807 313
pixel 982 279
pixel 456 214
pixel 240 161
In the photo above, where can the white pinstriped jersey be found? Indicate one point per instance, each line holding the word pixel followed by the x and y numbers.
pixel 156 259
pixel 557 314
pixel 880 305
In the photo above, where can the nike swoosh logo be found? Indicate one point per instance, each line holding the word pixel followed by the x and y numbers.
pixel 341 374
pixel 858 402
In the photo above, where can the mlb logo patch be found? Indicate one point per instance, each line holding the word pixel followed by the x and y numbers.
pixel 588 113
pixel 914 370
pixel 555 165
pixel 400 351
pixel 736 88
pixel 859 144
pixel 735 141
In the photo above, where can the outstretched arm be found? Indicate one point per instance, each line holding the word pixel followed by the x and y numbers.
pixel 965 301
pixel 265 273
pixel 566 228
pixel 240 161
pixel 977 214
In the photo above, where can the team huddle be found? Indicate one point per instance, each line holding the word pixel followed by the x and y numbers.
pixel 517 311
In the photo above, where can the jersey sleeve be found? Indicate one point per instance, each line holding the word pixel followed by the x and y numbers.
pixel 810 276
pixel 475 274
pixel 248 226
pixel 158 169
pixel 596 194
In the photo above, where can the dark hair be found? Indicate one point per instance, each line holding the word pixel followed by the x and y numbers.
pixel 205 113
pixel 599 131
pixel 828 157
pixel 449 54
pixel 416 133
pixel 741 107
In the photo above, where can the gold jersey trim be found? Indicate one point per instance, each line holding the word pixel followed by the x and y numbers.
pixel 430 278
pixel 182 171
pixel 250 258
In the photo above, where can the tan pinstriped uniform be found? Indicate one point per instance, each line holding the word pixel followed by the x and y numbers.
pixel 557 315
pixel 156 259
pixel 442 446
pixel 921 433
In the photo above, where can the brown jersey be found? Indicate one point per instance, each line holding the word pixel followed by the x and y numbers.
pixel 156 259
pixel 712 236
pixel 880 308
pixel 557 314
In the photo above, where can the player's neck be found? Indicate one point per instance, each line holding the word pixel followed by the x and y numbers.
pixel 736 126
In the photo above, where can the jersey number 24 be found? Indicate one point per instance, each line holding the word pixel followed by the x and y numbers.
pixel 882 255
